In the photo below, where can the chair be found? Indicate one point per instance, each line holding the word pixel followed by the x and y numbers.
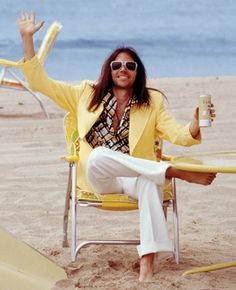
pixel 24 268
pixel 76 196
pixel 15 82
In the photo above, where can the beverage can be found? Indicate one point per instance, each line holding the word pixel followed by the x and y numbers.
pixel 204 110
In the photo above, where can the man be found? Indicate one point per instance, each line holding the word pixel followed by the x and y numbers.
pixel 119 120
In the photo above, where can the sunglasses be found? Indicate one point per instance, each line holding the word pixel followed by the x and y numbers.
pixel 130 65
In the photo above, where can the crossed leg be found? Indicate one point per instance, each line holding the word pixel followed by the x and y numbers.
pixel 111 171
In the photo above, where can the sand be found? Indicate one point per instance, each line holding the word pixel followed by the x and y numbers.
pixel 34 180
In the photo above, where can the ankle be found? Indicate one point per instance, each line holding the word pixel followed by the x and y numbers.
pixel 172 172
pixel 146 267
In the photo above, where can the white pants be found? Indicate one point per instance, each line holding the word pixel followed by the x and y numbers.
pixel 111 171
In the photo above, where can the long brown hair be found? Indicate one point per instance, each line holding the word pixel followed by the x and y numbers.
pixel 105 83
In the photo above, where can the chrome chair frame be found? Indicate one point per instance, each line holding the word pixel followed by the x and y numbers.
pixel 18 84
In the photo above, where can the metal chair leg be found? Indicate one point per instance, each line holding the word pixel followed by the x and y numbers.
pixel 175 223
pixel 73 211
pixel 66 210
pixel 76 248
pixel 2 74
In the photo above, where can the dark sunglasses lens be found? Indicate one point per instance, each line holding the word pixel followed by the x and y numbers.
pixel 115 65
pixel 131 65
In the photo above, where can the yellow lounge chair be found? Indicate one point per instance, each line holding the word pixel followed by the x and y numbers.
pixel 76 196
pixel 23 268
pixel 15 82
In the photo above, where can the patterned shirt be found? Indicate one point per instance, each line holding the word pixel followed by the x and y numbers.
pixel 102 132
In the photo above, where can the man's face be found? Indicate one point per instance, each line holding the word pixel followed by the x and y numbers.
pixel 123 77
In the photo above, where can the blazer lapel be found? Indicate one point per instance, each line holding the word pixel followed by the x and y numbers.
pixel 138 121
pixel 87 118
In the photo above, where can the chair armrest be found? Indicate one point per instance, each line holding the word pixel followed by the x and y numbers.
pixel 71 159
pixel 8 63
pixel 166 157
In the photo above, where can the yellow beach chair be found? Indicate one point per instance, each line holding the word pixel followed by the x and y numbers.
pixel 23 268
pixel 116 202
pixel 15 82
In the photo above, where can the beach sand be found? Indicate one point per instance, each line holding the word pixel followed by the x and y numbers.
pixel 34 180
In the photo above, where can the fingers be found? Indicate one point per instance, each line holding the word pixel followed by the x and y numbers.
pixel 23 17
pixel 39 25
pixel 212 112
pixel 211 109
pixel 196 113
pixel 26 23
pixel 26 16
pixel 33 16
pixel 20 18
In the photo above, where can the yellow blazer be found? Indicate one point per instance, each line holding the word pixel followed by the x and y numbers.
pixel 146 124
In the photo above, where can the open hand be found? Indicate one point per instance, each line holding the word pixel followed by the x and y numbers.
pixel 27 25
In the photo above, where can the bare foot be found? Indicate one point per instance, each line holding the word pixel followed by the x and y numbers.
pixel 204 178
pixel 146 267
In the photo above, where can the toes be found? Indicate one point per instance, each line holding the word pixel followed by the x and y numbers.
pixel 210 178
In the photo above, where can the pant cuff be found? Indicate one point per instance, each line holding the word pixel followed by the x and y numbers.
pixel 147 248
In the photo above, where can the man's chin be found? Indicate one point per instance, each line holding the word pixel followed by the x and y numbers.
pixel 122 85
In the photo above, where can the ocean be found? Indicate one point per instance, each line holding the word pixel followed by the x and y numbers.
pixel 174 38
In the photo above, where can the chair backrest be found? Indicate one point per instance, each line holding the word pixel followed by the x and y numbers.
pixel 48 41
pixel 71 134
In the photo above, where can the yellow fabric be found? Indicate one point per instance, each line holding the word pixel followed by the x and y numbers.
pixel 48 41
pixel 114 201
pixel 146 124
pixel 8 63
pixel 23 268
pixel 224 162
pixel 111 201
pixel 71 158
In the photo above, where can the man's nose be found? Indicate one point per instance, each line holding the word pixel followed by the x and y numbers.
pixel 123 66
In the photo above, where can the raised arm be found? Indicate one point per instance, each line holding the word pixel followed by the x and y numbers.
pixel 27 29
pixel 64 94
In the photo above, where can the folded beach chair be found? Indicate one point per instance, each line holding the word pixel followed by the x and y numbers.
pixel 116 202
pixel 23 268
pixel 15 82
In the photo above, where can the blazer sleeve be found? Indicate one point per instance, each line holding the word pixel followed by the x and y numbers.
pixel 169 129
pixel 64 94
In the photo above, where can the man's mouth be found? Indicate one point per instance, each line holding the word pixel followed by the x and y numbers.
pixel 123 77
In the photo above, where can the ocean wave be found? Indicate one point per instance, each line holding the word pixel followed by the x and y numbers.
pixel 215 46
pixel 7 43
pixel 169 45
